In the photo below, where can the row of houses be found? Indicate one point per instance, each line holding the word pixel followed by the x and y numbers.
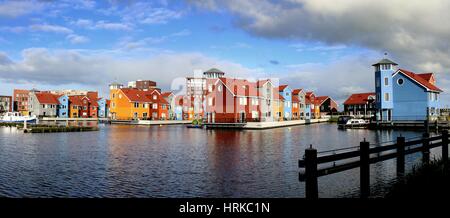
pixel 63 103
pixel 215 98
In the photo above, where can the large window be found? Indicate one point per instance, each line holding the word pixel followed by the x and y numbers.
pixel 386 96
pixel 136 105
pixel 386 81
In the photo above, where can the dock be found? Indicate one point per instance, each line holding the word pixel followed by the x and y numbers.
pixel 152 122
pixel 264 125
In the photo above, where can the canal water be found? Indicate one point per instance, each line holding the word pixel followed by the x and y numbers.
pixel 174 161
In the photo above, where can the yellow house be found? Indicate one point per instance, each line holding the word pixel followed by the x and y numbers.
pixel 128 104
pixel 278 106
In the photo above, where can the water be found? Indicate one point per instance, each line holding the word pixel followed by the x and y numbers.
pixel 174 161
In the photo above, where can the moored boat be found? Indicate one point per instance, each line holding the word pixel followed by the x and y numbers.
pixel 16 117
pixel 345 122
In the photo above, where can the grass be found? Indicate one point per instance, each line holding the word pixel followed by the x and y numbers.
pixel 45 128
pixel 427 180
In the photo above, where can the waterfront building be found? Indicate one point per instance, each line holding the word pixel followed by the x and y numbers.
pixel 20 98
pixel 69 92
pixel 300 95
pixel 196 91
pixel 178 109
pixel 278 105
pixel 238 100
pixel 143 85
pixel 361 105
pixel 5 104
pixel 170 98
pixel 63 107
pixel 133 104
pixel 75 105
pixel 310 111
pixel 43 104
pixel 103 107
pixel 286 92
pixel 326 105
pixel 404 95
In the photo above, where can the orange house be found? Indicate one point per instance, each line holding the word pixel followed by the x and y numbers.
pixel 133 104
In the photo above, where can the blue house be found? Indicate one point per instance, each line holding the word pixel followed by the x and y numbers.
pixel 63 107
pixel 286 92
pixel 404 95
pixel 103 108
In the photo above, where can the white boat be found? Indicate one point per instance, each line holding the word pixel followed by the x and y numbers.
pixel 16 117
pixel 351 122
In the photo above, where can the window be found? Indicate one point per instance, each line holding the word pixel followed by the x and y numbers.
pixel 210 101
pixel 219 88
pixel 154 97
pixel 243 101
pixel 114 95
pixel 146 105
pixel 163 106
pixel 400 81
pixel 378 97
pixel 210 87
pixel 155 106
pixel 136 105
pixel 386 81
pixel 386 96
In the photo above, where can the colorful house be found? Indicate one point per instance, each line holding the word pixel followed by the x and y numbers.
pixel 404 95
pixel 326 105
pixel 5 104
pixel 286 92
pixel 103 107
pixel 178 110
pixel 170 98
pixel 130 103
pixel 75 106
pixel 63 107
pixel 278 105
pixel 300 95
pixel 309 102
pixel 360 105
pixel 20 101
pixel 43 104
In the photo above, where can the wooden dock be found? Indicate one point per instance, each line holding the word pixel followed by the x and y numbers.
pixel 362 156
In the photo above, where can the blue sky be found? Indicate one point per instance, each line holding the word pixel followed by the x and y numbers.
pixel 89 44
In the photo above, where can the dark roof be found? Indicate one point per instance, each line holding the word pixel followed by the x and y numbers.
pixel 214 70
pixel 385 61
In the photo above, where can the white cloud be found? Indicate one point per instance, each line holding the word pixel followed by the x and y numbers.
pixel 18 8
pixel 77 39
pixel 99 68
pixel 112 26
pixel 50 28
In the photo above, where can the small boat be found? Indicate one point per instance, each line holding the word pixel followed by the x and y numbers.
pixel 16 117
pixel 194 126
pixel 345 122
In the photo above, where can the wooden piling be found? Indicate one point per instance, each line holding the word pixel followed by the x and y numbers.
pixel 311 186
pixel 400 156
pixel 364 169
pixel 426 148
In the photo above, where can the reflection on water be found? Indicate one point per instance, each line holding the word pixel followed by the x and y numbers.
pixel 174 161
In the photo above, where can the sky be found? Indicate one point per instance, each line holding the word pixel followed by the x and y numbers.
pixel 324 46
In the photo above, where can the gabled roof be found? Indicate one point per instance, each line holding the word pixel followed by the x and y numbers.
pixel 385 61
pixel 136 95
pixel 427 76
pixel 166 94
pixel 296 91
pixel 276 95
pixel 47 98
pixel 319 100
pixel 359 98
pixel 419 80
pixel 282 87
pixel 76 100
pixel 295 99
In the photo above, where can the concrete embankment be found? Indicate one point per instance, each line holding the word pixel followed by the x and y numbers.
pixel 265 125
pixel 152 122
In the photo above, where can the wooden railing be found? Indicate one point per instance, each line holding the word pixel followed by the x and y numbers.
pixel 363 156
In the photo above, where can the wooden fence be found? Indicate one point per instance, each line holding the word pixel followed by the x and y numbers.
pixel 363 156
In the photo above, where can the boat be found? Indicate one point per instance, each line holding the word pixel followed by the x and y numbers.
pixel 16 117
pixel 345 122
pixel 194 126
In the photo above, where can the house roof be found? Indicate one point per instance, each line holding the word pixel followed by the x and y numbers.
pixel 76 100
pixel 166 94
pixel 136 95
pixel 426 76
pixel 214 70
pixel 282 87
pixel 420 80
pixel 385 61
pixel 296 91
pixel 359 98
pixel 47 98
pixel 319 100
pixel 295 99
pixel 277 95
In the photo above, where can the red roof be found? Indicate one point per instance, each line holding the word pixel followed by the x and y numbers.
pixel 295 99
pixel 426 76
pixel 319 100
pixel 47 98
pixel 296 91
pixel 136 95
pixel 277 95
pixel 76 100
pixel 282 87
pixel 420 80
pixel 359 98
pixel 166 94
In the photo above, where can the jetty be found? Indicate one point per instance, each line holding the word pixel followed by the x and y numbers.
pixel 264 125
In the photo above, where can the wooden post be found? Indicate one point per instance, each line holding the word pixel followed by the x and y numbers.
pixel 400 156
pixel 426 148
pixel 364 169
pixel 445 146
pixel 311 186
